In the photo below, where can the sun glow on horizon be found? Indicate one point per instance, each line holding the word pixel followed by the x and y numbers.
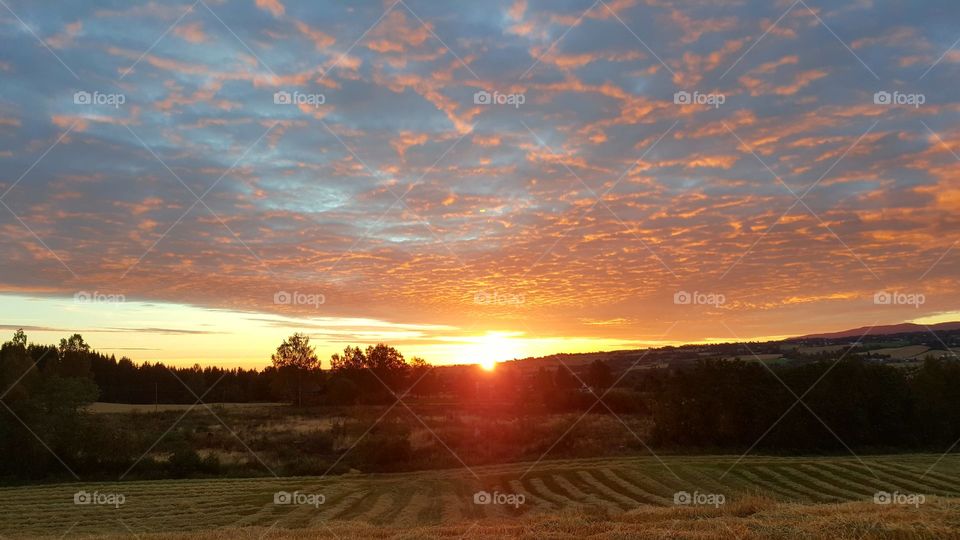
pixel 494 347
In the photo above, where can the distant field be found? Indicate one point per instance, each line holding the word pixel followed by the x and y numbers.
pixel 903 353
pixel 817 350
pixel 100 407
pixel 765 358
pixel 615 496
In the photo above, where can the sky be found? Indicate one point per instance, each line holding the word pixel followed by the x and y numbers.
pixel 464 180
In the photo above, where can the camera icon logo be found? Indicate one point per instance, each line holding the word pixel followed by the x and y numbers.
pixel 482 97
pixel 682 498
pixel 282 97
pixel 82 98
pixel 82 497
pixel 682 298
pixel 282 297
pixel 682 98
pixel 882 98
pixel 882 497
pixel 282 497
pixel 883 298
pixel 482 497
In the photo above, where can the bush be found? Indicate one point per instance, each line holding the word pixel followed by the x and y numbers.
pixel 185 461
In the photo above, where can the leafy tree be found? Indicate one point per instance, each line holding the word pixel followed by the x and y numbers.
pixel 73 344
pixel 74 357
pixel 294 359
pixel 19 338
pixel 352 359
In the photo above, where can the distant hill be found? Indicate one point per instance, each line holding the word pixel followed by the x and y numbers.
pixel 903 328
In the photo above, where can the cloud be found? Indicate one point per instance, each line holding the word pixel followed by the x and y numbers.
pixel 190 32
pixel 273 7
pixel 595 198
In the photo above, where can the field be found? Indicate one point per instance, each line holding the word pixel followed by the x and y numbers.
pixel 114 408
pixel 761 496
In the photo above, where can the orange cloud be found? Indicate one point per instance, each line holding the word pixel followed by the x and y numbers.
pixel 274 7
pixel 67 37
pixel 320 40
pixel 192 32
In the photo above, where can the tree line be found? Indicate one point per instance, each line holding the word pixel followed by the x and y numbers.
pixel 846 403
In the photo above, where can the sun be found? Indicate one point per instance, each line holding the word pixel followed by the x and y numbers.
pixel 493 347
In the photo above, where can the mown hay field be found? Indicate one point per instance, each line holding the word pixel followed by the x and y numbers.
pixel 765 496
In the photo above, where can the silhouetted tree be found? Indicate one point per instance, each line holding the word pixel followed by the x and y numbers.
pixel 600 376
pixel 295 358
